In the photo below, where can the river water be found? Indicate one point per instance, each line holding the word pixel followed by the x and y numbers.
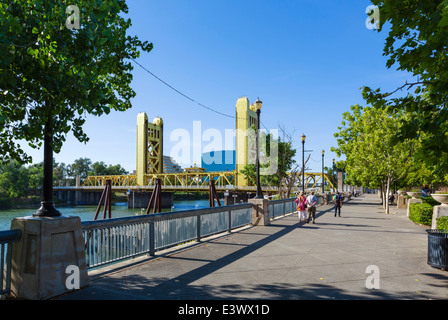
pixel 87 213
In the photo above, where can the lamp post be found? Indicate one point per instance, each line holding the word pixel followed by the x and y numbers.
pixel 303 163
pixel 47 208
pixel 334 179
pixel 258 105
pixel 323 180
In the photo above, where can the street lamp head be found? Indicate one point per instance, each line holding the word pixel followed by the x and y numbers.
pixel 334 161
pixel 158 121
pixel 258 104
pixel 303 137
pixel 323 152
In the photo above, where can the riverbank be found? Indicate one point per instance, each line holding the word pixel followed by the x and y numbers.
pixel 87 213
pixel 34 201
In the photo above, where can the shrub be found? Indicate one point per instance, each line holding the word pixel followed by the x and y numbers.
pixel 421 213
pixel 430 200
pixel 442 223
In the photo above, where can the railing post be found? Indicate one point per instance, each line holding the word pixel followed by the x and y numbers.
pixel 151 238
pixel 198 228
pixel 260 212
pixel 51 245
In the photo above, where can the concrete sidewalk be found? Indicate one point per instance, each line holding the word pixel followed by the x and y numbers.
pixel 289 260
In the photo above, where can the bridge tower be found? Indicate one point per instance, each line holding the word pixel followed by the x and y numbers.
pixel 149 147
pixel 245 118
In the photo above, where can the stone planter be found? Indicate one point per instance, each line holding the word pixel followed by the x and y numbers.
pixel 401 192
pixel 415 195
pixel 440 197
pixel 439 211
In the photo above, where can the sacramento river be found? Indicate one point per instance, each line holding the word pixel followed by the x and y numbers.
pixel 87 213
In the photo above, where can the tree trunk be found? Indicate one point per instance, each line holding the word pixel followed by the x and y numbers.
pixel 382 195
pixel 387 194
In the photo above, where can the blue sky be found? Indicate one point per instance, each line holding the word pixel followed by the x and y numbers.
pixel 305 59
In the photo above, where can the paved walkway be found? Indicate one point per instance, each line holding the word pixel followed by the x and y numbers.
pixel 289 260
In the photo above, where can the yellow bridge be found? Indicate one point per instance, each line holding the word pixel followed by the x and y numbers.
pixel 187 181
pixel 149 166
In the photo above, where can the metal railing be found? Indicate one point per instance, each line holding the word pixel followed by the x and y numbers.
pixel 281 207
pixel 112 240
pixel 6 239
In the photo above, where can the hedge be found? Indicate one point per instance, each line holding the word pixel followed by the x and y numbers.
pixel 430 200
pixel 421 213
pixel 442 223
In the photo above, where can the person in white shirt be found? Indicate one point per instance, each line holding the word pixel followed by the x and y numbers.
pixel 312 201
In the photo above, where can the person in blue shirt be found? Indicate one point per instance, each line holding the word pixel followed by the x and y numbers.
pixel 337 204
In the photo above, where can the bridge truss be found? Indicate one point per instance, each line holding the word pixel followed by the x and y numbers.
pixel 197 181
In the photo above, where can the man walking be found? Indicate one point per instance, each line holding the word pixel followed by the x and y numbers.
pixel 337 204
pixel 312 201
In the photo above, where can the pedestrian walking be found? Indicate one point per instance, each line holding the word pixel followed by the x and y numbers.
pixel 337 199
pixel 311 201
pixel 301 206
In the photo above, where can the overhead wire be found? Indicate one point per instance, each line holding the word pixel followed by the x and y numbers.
pixel 185 95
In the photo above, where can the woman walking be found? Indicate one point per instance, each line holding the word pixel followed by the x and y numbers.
pixel 301 207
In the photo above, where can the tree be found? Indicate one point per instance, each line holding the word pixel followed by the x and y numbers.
pixel 287 172
pixel 116 170
pixel 14 180
pixel 52 75
pixel 416 43
pixel 100 168
pixel 80 167
pixel 36 175
pixel 59 172
pixel 373 158
pixel 250 170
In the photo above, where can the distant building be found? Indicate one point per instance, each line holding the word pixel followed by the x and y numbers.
pixel 170 165
pixel 221 160
pixel 194 169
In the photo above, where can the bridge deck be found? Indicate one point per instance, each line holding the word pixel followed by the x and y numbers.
pixel 289 260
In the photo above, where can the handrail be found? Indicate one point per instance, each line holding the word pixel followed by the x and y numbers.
pixel 87 225
pixel 116 239
pixel 7 237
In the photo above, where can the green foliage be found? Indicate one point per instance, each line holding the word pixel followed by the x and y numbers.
pixel 430 201
pixel 421 213
pixel 14 180
pixel 100 168
pixel 283 162
pixel 18 181
pixel 416 43
pixel 36 175
pixel 372 157
pixel 442 223
pixel 51 77
pixel 250 174
pixel 80 167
